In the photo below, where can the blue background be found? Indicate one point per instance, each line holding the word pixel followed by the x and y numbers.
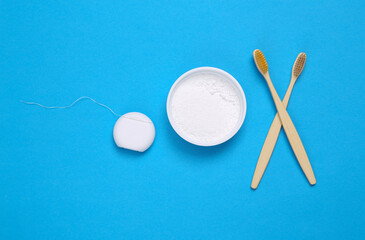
pixel 62 177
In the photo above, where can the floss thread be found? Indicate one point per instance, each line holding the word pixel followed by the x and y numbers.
pixel 134 131
pixel 69 106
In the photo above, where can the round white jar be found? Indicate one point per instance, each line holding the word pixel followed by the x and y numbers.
pixel 206 106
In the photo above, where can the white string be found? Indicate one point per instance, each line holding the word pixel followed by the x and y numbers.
pixel 80 98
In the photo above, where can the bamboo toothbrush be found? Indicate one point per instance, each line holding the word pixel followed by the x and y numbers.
pixel 275 128
pixel 287 123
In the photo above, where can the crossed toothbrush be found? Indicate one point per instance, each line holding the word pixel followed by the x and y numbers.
pixel 282 118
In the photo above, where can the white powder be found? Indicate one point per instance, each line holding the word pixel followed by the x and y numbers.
pixel 205 107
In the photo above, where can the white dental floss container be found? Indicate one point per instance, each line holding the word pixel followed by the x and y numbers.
pixel 134 131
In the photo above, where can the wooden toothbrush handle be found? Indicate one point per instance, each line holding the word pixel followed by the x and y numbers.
pixel 266 151
pixel 270 141
pixel 292 135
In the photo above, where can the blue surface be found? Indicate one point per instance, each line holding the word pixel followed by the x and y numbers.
pixel 62 177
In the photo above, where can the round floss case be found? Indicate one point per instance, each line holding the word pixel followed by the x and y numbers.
pixel 213 108
pixel 134 131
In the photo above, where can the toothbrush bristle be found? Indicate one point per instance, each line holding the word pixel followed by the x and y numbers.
pixel 299 64
pixel 260 61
